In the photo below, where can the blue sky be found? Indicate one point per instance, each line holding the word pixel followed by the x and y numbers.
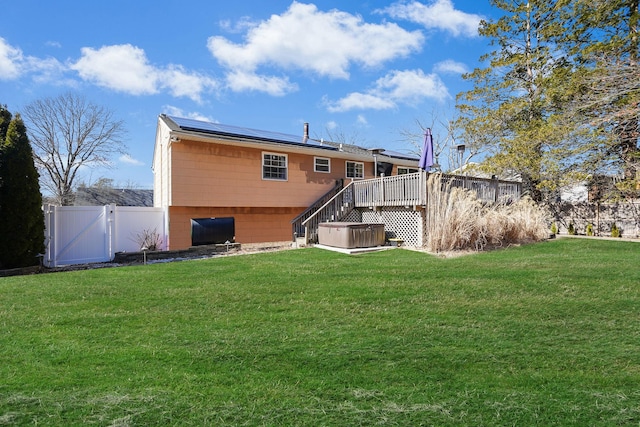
pixel 365 71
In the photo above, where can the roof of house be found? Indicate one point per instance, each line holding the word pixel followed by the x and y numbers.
pixel 101 196
pixel 236 132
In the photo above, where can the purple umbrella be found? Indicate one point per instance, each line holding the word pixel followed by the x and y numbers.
pixel 426 158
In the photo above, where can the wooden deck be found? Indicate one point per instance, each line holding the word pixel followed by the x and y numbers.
pixel 408 190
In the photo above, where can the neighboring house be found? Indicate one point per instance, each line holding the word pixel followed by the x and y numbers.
pixel 576 193
pixel 262 179
pixel 101 196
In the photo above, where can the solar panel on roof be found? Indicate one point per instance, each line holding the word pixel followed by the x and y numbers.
pixel 399 155
pixel 228 130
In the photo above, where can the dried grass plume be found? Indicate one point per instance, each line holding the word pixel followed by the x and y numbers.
pixel 457 220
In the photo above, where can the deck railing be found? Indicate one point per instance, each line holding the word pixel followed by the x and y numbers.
pixel 411 189
pixel 399 190
pixel 487 190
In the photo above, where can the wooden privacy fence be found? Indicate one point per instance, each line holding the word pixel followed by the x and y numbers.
pixel 86 234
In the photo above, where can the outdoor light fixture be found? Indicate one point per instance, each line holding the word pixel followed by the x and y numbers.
pixel 460 148
pixel 375 152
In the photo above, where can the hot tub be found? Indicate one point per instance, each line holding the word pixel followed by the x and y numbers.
pixel 350 235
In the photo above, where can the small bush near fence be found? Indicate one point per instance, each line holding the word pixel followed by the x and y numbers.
pixel 149 240
pixel 615 231
pixel 457 220
pixel 589 229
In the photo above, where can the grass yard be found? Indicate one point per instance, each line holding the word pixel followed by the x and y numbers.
pixel 545 334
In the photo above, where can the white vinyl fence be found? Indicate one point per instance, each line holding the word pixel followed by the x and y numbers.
pixel 85 234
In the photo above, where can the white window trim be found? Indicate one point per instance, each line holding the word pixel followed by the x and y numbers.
pixel 315 164
pixel 407 169
pixel 346 169
pixel 286 167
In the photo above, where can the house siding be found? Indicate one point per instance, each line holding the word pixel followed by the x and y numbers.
pixel 206 174
pixel 213 180
pixel 252 225
pixel 161 167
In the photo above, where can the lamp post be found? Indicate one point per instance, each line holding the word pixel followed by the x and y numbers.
pixel 460 148
pixel 375 152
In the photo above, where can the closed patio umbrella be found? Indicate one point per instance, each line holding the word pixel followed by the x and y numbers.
pixel 426 157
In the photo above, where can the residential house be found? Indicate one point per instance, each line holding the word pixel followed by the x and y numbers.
pixel 262 179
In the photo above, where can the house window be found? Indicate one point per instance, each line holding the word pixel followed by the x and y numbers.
pixel 274 166
pixel 321 164
pixel 404 171
pixel 355 170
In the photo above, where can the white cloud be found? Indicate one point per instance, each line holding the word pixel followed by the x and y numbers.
pixel 11 60
pixel 362 120
pixel 179 112
pixel 436 14
pixel 360 101
pixel 240 81
pixel 242 25
pixel 450 66
pixel 125 68
pixel 183 83
pixel 331 125
pixel 397 87
pixel 14 64
pixel 125 158
pixel 304 38
pixel 48 70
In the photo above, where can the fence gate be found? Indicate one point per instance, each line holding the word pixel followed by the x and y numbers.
pixel 86 234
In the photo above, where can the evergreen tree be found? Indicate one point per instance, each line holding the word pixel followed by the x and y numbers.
pixel 21 216
pixel 559 97
pixel 509 111
pixel 5 119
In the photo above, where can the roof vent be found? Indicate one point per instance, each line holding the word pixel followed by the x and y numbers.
pixel 306 132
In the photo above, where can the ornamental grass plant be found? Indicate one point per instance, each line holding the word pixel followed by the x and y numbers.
pixel 457 220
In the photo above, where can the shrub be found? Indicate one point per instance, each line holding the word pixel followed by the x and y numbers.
pixel 571 229
pixel 554 228
pixel 615 231
pixel 589 229
pixel 149 239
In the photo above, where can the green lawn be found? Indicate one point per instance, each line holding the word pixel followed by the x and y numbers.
pixel 545 334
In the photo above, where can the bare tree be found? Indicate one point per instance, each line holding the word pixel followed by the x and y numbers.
pixel 446 143
pixel 69 133
pixel 339 136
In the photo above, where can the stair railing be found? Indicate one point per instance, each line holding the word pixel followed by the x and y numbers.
pixel 333 210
